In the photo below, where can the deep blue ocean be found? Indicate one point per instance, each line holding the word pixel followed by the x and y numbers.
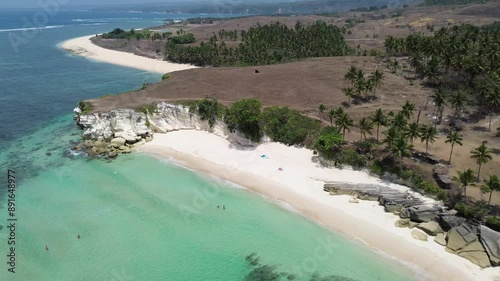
pixel 127 212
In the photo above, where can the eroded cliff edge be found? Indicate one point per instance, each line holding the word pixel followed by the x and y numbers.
pixel 118 131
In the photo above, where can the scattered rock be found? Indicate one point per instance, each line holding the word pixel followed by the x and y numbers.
pixel 402 223
pixel 491 242
pixel 419 235
pixel 431 228
pixel 139 143
pixel 412 224
pixel 440 239
pixel 447 222
pixel 117 142
pixel 112 154
pixel 48 154
pixel 423 213
pixel 353 200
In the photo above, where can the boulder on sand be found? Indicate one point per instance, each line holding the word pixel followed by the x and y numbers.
pixel 402 223
pixel 419 235
pixel 431 228
pixel 117 142
pixel 449 221
pixel 423 213
pixel 463 241
pixel 440 239
pixel 491 242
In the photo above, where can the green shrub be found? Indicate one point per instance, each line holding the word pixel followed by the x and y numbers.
pixel 493 223
pixel 288 126
pixel 244 116
pixel 350 157
pixel 477 211
pixel 376 168
pixel 165 76
pixel 209 109
pixel 147 109
pixel 429 187
pixel 85 107
pixel 329 143
pixel 183 39
pixel 105 96
pixel 498 132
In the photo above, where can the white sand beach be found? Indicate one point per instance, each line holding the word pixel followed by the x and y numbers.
pixel 84 47
pixel 300 184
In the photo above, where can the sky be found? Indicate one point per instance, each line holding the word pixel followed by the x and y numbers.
pixel 35 3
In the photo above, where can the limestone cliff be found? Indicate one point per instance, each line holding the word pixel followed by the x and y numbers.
pixel 121 128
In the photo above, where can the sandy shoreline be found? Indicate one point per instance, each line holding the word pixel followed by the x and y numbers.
pixel 82 46
pixel 300 184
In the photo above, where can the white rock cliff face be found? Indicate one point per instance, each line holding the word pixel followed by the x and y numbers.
pixel 133 126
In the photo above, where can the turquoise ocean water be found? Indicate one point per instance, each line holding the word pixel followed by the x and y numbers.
pixel 139 218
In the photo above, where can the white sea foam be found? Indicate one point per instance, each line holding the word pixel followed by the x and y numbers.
pixel 31 28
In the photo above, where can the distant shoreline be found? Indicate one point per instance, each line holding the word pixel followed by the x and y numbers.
pixel 82 46
pixel 299 184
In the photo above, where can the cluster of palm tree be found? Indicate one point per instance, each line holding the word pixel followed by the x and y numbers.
pixel 464 60
pixel 361 85
pixel 266 44
pixel 482 155
pixel 338 118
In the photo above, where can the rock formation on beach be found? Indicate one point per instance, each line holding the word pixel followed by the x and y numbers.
pixel 477 243
pixel 119 130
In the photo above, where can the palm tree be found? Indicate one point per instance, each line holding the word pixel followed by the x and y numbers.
pixel 379 119
pixel 349 93
pixel 391 135
pixel 482 155
pixel 408 109
pixel 332 113
pixel 458 101
pixel 439 100
pixel 351 75
pixel 400 148
pixel 453 138
pixel 492 184
pixel 360 86
pixel 465 179
pixel 412 132
pixel 376 77
pixel 429 134
pixel 493 100
pixel 365 126
pixel 343 123
pixel 322 109
pixel 399 121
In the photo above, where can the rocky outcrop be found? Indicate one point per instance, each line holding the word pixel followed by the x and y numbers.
pixel 491 242
pixel 448 221
pixel 392 199
pixel 463 241
pixel 440 239
pixel 424 213
pixel 121 129
pixel 402 223
pixel 419 235
pixel 431 228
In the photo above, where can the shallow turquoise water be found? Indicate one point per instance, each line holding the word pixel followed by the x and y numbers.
pixel 139 218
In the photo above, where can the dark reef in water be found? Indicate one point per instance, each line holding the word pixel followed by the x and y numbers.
pixel 268 272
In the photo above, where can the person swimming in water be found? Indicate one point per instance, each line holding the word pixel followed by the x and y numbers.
pixel 224 207
pixel 78 236
pixel 46 248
